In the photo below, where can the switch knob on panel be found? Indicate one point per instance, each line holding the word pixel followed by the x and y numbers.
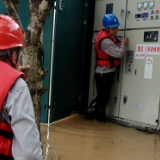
pixel 137 15
pixel 125 99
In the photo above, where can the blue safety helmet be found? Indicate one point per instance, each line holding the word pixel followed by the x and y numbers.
pixel 110 21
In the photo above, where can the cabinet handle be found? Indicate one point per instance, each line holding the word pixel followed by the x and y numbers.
pixel 122 11
pixel 128 12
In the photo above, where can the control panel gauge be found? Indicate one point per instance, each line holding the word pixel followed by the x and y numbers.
pixel 151 4
pixel 145 5
pixel 139 6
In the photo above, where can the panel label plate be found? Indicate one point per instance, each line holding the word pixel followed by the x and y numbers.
pixel 148 71
pixel 139 55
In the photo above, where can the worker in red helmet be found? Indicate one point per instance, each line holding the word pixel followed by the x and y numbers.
pixel 19 135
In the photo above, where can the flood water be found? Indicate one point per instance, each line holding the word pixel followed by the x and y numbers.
pixel 74 138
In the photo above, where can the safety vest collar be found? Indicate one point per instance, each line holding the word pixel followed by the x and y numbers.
pixel 8 76
pixel 105 34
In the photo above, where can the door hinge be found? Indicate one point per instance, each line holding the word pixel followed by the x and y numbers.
pixel 84 22
pixel 61 5
pixel 54 95
pixel 85 15
pixel 54 103
pixel 86 5
pixel 46 106
pixel 80 97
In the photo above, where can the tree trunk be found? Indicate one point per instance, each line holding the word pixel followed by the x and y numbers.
pixel 39 11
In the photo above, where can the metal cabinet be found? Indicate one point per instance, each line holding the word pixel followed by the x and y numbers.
pixel 109 6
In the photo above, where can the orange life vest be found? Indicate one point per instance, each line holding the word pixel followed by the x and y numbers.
pixel 8 76
pixel 103 58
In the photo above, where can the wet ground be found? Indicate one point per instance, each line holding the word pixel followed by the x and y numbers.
pixel 74 138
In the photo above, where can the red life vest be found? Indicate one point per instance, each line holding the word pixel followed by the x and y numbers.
pixel 8 76
pixel 102 58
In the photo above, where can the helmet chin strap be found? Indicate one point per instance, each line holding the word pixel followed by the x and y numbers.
pixel 9 55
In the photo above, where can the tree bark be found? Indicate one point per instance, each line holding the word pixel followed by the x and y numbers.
pixel 39 11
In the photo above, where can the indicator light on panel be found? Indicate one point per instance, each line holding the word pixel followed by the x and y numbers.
pixel 151 17
pixel 156 16
pixel 157 10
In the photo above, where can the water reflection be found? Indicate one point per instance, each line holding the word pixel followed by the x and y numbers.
pixel 49 145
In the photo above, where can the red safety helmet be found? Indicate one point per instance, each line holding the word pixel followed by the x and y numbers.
pixel 11 34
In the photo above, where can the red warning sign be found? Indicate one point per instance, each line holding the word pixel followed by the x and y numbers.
pixel 148 49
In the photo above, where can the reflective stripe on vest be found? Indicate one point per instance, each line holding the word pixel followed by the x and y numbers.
pixel 102 58
pixel 8 76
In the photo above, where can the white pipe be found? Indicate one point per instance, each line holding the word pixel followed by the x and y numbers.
pixel 51 69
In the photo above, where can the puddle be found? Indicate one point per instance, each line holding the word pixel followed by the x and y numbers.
pixel 77 139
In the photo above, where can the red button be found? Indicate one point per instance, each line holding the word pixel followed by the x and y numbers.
pixel 157 10
pixel 151 16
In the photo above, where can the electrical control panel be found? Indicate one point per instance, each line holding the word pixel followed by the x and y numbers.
pixel 140 76
pixel 103 7
pixel 134 97
pixel 143 14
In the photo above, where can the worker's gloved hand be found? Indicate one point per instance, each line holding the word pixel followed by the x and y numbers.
pixel 124 41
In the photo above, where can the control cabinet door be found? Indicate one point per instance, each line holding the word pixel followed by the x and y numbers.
pixel 140 80
pixel 143 14
pixel 109 6
pixel 112 108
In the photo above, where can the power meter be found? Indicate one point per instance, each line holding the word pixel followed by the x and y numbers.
pixel 151 4
pixel 139 6
pixel 145 5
